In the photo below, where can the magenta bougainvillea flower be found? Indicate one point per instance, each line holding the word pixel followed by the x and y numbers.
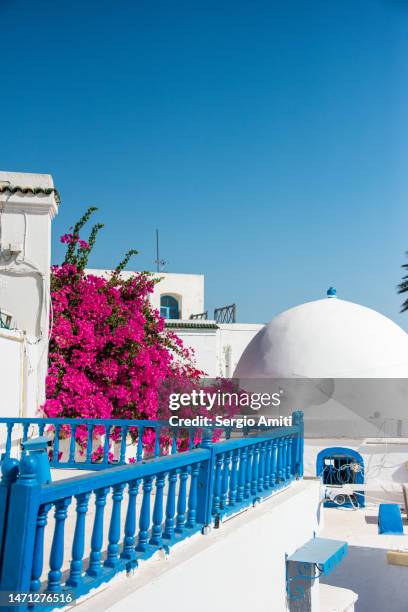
pixel 109 352
pixel 110 356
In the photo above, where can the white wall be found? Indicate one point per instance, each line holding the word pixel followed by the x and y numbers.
pixel 13 373
pixel 187 288
pixel 239 567
pixel 217 348
pixel 205 344
pixel 232 340
pixel 25 259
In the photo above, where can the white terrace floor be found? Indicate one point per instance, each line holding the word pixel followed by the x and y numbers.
pixel 380 587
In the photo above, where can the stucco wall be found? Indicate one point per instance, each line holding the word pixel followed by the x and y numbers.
pixel 217 351
pixel 232 340
pixel 25 257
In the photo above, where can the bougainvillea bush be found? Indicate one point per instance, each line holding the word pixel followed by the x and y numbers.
pixel 109 353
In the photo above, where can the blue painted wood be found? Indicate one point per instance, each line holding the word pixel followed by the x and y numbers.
pixel 72 444
pixel 267 471
pixel 261 468
pixel 123 437
pixel 57 547
pixel 112 557
pixel 274 463
pixel 248 475
pixel 297 420
pixel 192 498
pixel 89 444
pixel 242 473
pixel 182 500
pixel 217 484
pixel 156 537
pixel 280 462
pixel 95 558
pixel 255 464
pixel 106 443
pixel 55 450
pixel 78 544
pixel 222 476
pixel 233 484
pixel 170 506
pixel 157 442
pixel 225 479
pixel 144 520
pixel 174 442
pixel 10 469
pixel 139 452
pixel 8 441
pixel 19 537
pixel 128 552
pixel 284 457
pixel 38 556
pixel 289 458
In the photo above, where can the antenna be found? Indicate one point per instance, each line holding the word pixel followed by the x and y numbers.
pixel 159 262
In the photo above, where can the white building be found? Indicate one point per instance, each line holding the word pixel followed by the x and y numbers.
pixel 180 299
pixel 28 203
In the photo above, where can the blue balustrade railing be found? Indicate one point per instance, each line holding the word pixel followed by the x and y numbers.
pixel 99 443
pixel 130 511
pixel 96 443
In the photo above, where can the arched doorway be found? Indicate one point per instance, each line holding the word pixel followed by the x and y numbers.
pixel 338 466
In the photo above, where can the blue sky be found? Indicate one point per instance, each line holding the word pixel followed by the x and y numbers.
pixel 268 141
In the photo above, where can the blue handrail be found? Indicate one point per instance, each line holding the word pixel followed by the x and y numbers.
pixel 99 443
pixel 96 443
pixel 165 499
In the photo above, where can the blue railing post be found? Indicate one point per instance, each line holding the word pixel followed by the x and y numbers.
pixel 57 548
pixel 128 552
pixel 38 557
pixel 170 506
pixel 192 498
pixel 78 545
pixel 234 477
pixel 298 448
pixel 248 474
pixel 241 474
pixel 225 479
pixel 95 568
pixel 274 463
pixel 205 483
pixel 156 537
pixel 182 500
pixel 112 558
pixel 19 538
pixel 9 472
pixel 144 520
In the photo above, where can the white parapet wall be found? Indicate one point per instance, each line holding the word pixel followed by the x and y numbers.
pixel 240 567
pixel 28 203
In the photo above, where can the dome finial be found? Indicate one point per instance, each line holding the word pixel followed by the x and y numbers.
pixel 331 292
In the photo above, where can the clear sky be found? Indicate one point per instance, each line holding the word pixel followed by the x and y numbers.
pixel 268 141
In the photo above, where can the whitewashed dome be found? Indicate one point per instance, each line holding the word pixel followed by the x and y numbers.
pixel 328 338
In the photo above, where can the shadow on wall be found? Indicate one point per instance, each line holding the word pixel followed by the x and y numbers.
pixel 380 587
